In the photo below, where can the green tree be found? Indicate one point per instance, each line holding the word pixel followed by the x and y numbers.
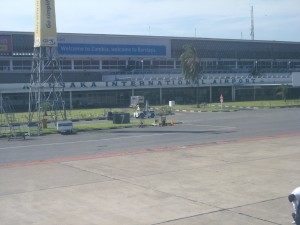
pixel 191 66
pixel 45 106
pixel 282 91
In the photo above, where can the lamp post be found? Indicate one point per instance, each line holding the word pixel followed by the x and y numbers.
pixel 254 72
pixel 256 67
pixel 142 61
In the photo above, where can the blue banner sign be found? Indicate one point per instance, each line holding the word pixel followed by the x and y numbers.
pixel 111 50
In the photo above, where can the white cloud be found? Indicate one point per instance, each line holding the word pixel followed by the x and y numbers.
pixel 274 19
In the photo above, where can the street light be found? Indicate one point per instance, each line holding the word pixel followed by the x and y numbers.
pixel 142 61
pixel 256 67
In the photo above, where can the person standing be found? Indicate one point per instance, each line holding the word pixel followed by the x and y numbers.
pixel 294 198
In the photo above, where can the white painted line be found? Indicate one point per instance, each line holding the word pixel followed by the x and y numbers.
pixel 74 142
pixel 213 126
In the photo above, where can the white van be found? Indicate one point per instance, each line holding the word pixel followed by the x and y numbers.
pixel 65 126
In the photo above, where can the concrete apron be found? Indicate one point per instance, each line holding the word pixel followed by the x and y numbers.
pixel 234 183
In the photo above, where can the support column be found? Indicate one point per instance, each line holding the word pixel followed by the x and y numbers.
pixel 233 93
pixel 132 92
pixel 271 64
pixel 11 66
pixel 210 94
pixel 160 96
pixel 71 100
pixel 1 104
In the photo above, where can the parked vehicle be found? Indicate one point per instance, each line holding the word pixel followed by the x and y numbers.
pixel 151 113
pixel 137 101
pixel 144 114
pixel 65 127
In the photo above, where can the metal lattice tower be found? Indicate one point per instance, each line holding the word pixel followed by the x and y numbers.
pixel 46 82
pixel 46 85
pixel 9 120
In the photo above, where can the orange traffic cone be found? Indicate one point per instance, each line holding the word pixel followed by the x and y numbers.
pixel 172 122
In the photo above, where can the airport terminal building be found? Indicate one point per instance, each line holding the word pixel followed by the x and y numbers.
pixel 106 70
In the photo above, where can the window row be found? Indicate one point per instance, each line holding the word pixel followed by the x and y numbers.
pixel 25 65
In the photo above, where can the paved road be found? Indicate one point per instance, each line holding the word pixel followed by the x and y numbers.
pixel 196 128
pixel 215 168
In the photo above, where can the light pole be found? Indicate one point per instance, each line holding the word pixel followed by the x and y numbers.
pixel 142 61
pixel 256 68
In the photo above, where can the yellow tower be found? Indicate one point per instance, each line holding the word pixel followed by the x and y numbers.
pixel 46 83
pixel 45 24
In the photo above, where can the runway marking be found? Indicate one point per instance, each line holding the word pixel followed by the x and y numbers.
pixel 74 142
pixel 142 151
pixel 68 159
pixel 116 138
pixel 214 126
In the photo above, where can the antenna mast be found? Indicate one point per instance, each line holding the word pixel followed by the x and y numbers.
pixel 252 24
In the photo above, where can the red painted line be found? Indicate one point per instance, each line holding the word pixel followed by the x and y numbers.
pixel 68 159
pixel 241 140
pixel 164 149
pixel 105 155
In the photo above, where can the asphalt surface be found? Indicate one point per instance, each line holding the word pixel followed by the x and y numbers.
pixel 215 168
pixel 195 128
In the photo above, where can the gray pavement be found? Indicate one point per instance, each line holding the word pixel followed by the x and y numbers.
pixel 237 182
pixel 196 128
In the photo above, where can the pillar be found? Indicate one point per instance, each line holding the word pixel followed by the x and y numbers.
pixel 11 66
pixel 210 94
pixel 160 95
pixel 233 93
pixel 71 100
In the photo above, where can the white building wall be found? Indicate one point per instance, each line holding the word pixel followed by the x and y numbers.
pixel 296 79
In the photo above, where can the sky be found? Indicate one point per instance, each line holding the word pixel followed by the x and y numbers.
pixel 230 19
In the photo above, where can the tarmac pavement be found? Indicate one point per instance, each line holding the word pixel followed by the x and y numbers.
pixel 239 182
